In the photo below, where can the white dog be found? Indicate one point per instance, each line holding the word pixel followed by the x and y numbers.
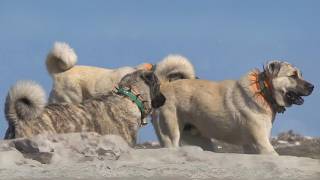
pixel 73 84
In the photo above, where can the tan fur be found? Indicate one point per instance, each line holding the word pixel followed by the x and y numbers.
pixel 76 83
pixel 24 92
pixel 226 110
pixel 61 58
pixel 174 67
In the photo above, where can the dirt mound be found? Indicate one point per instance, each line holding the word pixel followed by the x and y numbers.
pixel 92 156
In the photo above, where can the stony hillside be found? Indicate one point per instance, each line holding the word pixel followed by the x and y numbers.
pixel 91 156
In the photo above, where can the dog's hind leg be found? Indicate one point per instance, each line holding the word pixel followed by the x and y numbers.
pixel 10 133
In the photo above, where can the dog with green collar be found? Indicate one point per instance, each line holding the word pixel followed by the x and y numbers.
pixel 119 112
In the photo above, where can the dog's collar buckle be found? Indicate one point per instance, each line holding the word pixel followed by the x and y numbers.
pixel 134 98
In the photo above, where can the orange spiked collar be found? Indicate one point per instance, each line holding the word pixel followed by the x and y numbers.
pixel 262 88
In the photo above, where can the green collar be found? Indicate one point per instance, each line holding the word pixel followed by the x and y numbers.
pixel 134 99
pixel 265 89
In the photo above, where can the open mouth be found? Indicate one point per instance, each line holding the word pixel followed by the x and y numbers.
pixel 294 98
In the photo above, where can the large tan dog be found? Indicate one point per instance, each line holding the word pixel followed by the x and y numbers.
pixel 73 84
pixel 119 112
pixel 238 112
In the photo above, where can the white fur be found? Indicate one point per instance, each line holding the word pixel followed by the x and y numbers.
pixel 74 84
pixel 62 57
pixel 16 107
pixel 175 64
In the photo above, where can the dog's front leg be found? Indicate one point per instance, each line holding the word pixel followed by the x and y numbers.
pixel 258 139
pixel 261 147
pixel 166 126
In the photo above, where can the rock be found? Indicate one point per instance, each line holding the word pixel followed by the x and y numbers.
pixel 290 136
pixel 92 156
pixel 287 143
pixel 26 146
pixel 148 145
pixel 61 148
pixel 10 159
pixel 42 157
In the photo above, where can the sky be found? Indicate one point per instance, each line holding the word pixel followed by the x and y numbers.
pixel 223 39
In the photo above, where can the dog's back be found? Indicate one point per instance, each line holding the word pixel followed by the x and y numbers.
pixel 83 82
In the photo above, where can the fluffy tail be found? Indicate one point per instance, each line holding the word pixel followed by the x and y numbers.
pixel 61 58
pixel 25 100
pixel 174 67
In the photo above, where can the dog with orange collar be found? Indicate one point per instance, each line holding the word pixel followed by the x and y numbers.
pixel 239 112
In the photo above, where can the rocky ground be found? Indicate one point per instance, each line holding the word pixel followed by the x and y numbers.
pixel 91 156
pixel 287 143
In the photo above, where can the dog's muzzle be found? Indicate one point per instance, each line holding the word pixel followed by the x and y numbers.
pixel 296 97
pixel 310 88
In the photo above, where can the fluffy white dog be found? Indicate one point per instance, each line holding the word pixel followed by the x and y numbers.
pixel 73 84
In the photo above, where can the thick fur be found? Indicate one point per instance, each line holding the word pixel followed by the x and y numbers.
pixel 105 114
pixel 174 67
pixel 61 58
pixel 29 100
pixel 197 111
pixel 76 83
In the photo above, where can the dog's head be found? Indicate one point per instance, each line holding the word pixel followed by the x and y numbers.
pixel 147 85
pixel 288 84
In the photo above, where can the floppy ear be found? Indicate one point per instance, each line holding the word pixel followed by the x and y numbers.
pixel 158 101
pixel 273 67
pixel 148 76
pixel 151 79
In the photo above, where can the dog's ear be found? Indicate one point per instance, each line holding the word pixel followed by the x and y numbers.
pixel 149 77
pixel 158 101
pixel 273 67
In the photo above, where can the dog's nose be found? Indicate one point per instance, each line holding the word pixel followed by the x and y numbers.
pixel 310 87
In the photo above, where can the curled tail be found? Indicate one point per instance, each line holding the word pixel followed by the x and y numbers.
pixel 25 100
pixel 61 58
pixel 174 67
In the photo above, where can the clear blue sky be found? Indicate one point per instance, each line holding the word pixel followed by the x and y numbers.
pixel 223 39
